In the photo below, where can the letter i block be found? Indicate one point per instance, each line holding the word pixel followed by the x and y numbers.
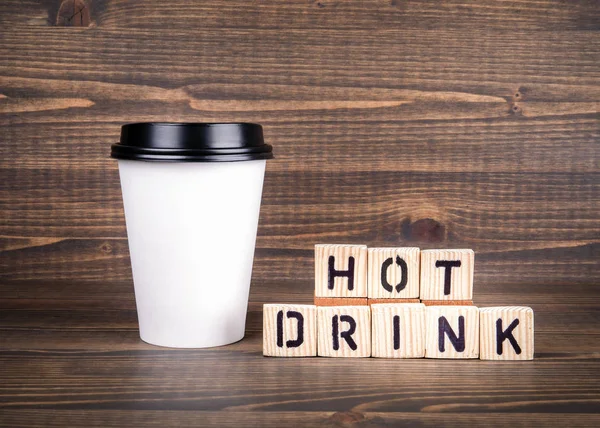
pixel 289 330
pixel 447 274
pixel 506 333
pixel 344 331
pixel 393 273
pixel 452 332
pixel 340 270
pixel 398 330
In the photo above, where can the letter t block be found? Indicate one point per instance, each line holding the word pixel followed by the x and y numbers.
pixel 340 270
pixel 289 330
pixel 447 274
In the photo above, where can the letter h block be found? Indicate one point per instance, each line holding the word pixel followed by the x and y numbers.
pixel 344 331
pixel 506 333
pixel 289 330
pixel 340 271
pixel 452 332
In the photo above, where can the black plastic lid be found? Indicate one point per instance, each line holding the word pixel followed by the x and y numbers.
pixel 192 142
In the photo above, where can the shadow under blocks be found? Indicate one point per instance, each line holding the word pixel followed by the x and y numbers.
pixel 396 303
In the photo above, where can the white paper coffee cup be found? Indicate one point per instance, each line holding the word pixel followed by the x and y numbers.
pixel 192 215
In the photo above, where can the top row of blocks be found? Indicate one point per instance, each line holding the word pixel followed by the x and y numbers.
pixel 393 273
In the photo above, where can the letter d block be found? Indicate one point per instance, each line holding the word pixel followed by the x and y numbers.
pixel 289 330
pixel 452 332
pixel 344 331
pixel 340 270
pixel 398 330
pixel 506 333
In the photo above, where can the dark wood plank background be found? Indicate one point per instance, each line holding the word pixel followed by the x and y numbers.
pixel 435 124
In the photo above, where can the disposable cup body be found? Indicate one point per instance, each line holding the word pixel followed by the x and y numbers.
pixel 192 229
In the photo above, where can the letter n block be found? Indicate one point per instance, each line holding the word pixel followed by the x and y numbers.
pixel 340 270
pixel 344 331
pixel 289 330
pixel 506 333
pixel 393 273
pixel 398 330
pixel 447 274
pixel 452 332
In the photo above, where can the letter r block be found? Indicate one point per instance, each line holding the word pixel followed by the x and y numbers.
pixel 289 330
pixel 452 332
pixel 506 333
pixel 447 274
pixel 344 331
pixel 340 270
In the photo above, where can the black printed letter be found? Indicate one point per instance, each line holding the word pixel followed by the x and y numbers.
pixel 404 271
pixel 347 335
pixel 290 343
pixel 457 342
pixel 501 336
pixel 448 265
pixel 396 323
pixel 333 273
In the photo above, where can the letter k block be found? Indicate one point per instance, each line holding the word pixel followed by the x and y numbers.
pixel 506 333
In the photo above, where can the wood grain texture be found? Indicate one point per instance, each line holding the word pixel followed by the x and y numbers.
pixel 401 274
pixel 455 124
pixel 444 322
pixel 305 342
pixel 522 333
pixel 341 301
pixel 347 276
pixel 447 274
pixel 344 331
pixel 409 330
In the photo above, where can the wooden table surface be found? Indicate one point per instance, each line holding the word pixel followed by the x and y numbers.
pixel 410 123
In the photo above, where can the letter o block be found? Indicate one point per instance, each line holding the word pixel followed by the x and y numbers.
pixel 506 333
pixel 393 273
pixel 289 330
pixel 344 331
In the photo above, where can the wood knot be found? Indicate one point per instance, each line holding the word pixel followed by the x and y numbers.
pixel 424 230
pixel 516 110
pixel 106 248
pixel 73 13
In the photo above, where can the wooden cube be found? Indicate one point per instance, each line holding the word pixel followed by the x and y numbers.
pixel 447 274
pixel 506 333
pixel 289 330
pixel 340 270
pixel 393 273
pixel 452 332
pixel 398 330
pixel 344 331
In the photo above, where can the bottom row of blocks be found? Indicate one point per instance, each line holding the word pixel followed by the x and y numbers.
pixel 402 330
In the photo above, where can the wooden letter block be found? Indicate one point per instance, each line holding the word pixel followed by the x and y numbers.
pixel 452 332
pixel 398 330
pixel 447 274
pixel 344 331
pixel 506 333
pixel 289 330
pixel 340 270
pixel 393 273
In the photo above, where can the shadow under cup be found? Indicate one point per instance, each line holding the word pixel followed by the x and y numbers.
pixel 191 193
